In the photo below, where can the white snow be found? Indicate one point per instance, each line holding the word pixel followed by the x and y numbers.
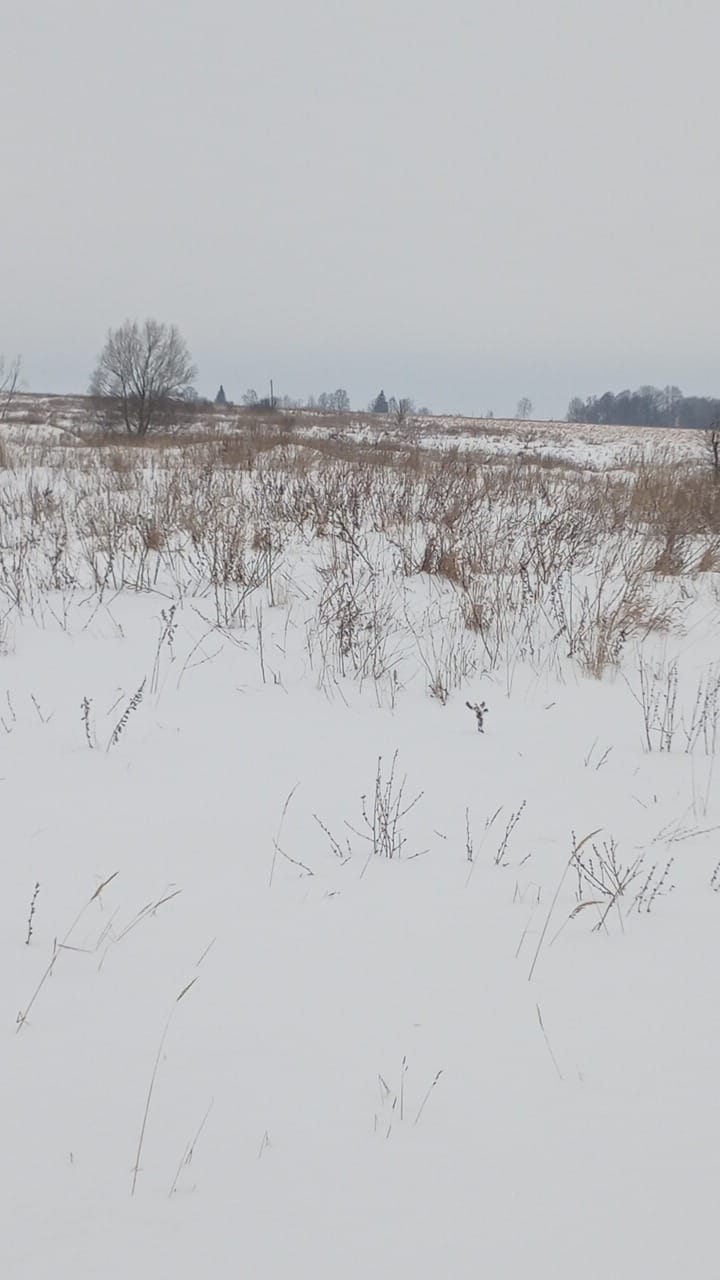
pixel 430 1065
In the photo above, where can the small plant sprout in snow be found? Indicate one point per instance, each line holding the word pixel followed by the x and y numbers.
pixel 33 901
pixel 480 711
pixel 511 825
pixel 41 717
pixel 656 884
pixel 342 853
pixel 599 762
pixel 471 854
pixel 132 705
pixel 168 628
pixel 85 708
pixel 469 849
pixel 383 823
pixel 395 1102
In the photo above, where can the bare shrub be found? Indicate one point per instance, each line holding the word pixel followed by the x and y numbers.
pixel 672 502
pixel 664 715
pixel 383 820
pixel 9 378
pixel 603 879
pixel 615 604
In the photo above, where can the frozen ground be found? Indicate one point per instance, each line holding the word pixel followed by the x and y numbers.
pixel 475 1058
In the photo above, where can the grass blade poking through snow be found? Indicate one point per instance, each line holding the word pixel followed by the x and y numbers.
pixel 547 1042
pixel 189 1150
pixel 276 841
pixel 427 1095
pixel 22 1017
pixel 575 850
pixel 151 1087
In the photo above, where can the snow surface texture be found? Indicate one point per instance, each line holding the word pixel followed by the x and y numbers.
pixel 240 1039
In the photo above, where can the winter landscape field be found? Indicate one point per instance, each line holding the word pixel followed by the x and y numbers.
pixel 360 852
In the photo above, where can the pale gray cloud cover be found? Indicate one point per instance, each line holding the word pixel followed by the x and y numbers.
pixel 464 202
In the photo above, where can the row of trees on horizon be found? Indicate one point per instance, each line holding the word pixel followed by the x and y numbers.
pixel 337 401
pixel 646 407
pixel 143 369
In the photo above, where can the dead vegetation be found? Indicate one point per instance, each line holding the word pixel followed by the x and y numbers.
pixel 523 559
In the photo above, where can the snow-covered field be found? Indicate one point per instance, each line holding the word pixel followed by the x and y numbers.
pixel 34 419
pixel 301 973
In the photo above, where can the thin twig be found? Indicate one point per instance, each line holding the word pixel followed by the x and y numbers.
pixel 427 1095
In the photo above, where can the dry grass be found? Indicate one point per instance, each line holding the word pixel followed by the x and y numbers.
pixel 532 559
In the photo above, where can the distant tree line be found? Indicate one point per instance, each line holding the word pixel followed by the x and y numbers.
pixel 646 407
pixel 400 409
pixel 144 378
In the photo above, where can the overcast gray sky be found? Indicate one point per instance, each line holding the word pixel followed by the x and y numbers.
pixel 460 201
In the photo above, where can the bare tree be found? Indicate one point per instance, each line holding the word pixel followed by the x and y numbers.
pixel 9 377
pixel 401 409
pixel 141 370
pixel 524 409
pixel 333 401
pixel 712 444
